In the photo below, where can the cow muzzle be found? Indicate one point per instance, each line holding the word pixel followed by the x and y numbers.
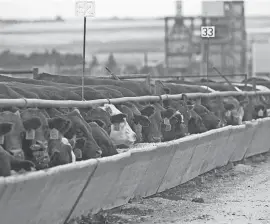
pixel 18 153
pixel 156 139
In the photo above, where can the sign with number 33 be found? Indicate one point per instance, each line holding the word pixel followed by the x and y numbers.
pixel 208 31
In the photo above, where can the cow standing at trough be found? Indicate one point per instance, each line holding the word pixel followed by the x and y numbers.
pixel 9 162
pixel 62 135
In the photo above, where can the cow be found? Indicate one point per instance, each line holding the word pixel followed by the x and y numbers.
pixel 195 123
pixel 7 161
pixel 14 141
pixel 114 123
pixel 85 147
pixel 60 149
pixel 121 133
pixel 229 109
pixel 156 115
pixel 134 118
pixel 192 122
pixel 99 134
pixel 254 108
pixel 171 88
pixel 103 139
pixel 65 127
pixel 173 127
pixel 139 88
pixel 209 118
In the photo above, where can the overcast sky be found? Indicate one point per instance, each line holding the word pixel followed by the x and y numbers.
pixel 108 8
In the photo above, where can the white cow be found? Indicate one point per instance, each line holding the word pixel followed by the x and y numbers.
pixel 121 133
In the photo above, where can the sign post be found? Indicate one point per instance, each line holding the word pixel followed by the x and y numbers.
pixel 84 9
pixel 207 32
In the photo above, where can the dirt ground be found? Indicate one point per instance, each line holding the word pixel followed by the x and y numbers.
pixel 237 193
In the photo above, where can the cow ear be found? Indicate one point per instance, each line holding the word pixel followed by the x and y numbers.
pixel 167 113
pixel 17 113
pixel 191 107
pixel 166 90
pixel 100 123
pixel 118 106
pixel 32 124
pixel 5 128
pixel 244 103
pixel 165 103
pixel 148 111
pixel 76 110
pixel 142 120
pixel 58 123
pixel 184 97
pixel 118 118
pixel 174 120
pixel 228 106
pixel 13 109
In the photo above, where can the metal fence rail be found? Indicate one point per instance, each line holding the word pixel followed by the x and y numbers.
pixel 23 102
pixel 33 71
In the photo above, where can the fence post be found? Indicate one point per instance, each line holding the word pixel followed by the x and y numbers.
pixel 148 81
pixel 35 72
pixel 246 77
pixel 254 84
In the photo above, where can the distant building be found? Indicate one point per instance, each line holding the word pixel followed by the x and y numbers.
pixel 179 8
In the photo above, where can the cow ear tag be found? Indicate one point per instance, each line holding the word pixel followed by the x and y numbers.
pixel 30 135
pixel 260 113
pixel 78 153
pixel 116 127
pixel 167 124
pixel 54 134
pixel 2 140
pixel 166 121
pixel 228 113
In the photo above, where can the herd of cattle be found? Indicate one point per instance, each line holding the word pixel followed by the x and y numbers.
pixel 38 138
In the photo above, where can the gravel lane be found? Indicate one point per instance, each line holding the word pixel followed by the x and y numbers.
pixel 232 194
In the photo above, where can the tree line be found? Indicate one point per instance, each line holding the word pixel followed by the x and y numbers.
pixel 11 59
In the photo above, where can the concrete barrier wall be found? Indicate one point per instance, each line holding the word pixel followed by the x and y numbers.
pixel 48 196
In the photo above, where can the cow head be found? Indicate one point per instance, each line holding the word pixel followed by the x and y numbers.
pixel 59 148
pixel 121 132
pixel 157 116
pixel 210 120
pixel 60 152
pixel 13 141
pixel 103 139
pixel 235 110
pixel 183 108
pixel 195 124
pixel 81 131
pixel 260 111
pixel 98 114
pixel 176 128
pixel 216 106
pixel 208 113
pixel 135 121
pixel 255 108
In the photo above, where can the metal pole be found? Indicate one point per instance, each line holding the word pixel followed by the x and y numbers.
pixel 84 35
pixel 207 61
pixel 166 47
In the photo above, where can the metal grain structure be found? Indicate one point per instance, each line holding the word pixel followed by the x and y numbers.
pixel 185 50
